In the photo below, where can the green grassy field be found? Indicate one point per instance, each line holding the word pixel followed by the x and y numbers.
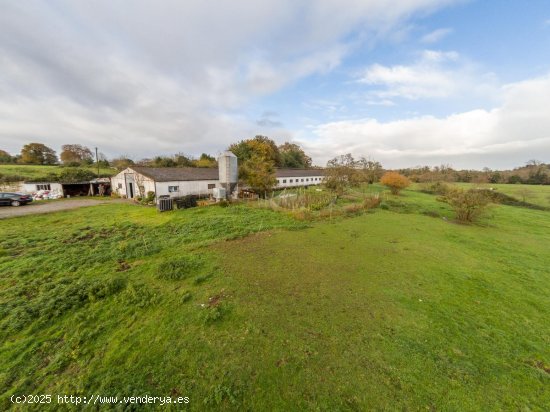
pixel 31 171
pixel 536 194
pixel 242 308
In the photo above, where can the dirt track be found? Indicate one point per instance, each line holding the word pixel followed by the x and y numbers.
pixel 37 207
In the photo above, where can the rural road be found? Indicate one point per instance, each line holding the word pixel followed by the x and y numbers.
pixel 37 207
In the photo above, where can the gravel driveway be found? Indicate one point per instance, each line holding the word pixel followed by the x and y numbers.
pixel 45 206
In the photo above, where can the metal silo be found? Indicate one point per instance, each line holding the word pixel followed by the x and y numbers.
pixel 228 171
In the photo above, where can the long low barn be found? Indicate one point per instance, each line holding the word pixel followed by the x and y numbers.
pixel 137 181
pixel 298 177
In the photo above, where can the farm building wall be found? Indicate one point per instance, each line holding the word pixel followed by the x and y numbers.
pixel 129 181
pixel 121 185
pixel 188 187
pixel 35 187
pixel 12 187
pixel 297 181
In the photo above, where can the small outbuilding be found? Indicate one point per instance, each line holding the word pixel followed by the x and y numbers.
pixel 94 187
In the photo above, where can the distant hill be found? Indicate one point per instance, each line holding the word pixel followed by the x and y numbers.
pixel 13 173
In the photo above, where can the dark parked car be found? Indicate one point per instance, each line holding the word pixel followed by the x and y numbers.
pixel 14 199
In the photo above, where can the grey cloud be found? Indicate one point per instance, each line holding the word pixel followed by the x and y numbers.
pixel 267 120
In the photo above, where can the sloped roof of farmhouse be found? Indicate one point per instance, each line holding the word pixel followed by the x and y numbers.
pixel 175 174
pixel 299 172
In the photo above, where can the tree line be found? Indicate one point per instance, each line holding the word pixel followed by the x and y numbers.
pixel 534 172
pixel 288 155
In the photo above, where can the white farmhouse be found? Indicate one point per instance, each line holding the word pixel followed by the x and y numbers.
pixel 136 181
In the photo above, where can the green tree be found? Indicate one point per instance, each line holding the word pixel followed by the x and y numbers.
pixel 370 170
pixel 163 161
pixel 75 153
pixel 342 171
pixel 76 175
pixel 206 161
pixel 103 161
pixel 260 174
pixel 293 156
pixel 122 162
pixel 182 160
pixel 5 157
pixel 37 153
pixel 260 146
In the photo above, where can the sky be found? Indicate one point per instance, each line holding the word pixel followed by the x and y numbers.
pixel 464 83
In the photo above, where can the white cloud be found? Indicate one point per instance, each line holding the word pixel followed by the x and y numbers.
pixel 518 128
pixel 176 74
pixel 436 35
pixel 435 74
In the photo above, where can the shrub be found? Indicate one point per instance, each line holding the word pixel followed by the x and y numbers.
pixel 149 199
pixel 11 178
pixel 371 202
pixel 213 314
pixel 395 181
pixel 468 205
pixel 76 175
pixel 353 209
pixel 139 295
pixel 302 214
pixel 436 188
pixel 303 199
pixel 223 203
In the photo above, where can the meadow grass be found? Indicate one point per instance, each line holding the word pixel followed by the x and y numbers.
pixel 536 194
pixel 243 308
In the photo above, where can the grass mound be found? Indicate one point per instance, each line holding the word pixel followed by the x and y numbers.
pixel 179 268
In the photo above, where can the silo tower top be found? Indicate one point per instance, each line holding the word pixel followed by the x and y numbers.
pixel 228 153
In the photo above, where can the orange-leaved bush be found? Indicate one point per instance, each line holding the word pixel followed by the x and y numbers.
pixel 395 181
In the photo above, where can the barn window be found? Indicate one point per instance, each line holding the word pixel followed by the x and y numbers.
pixel 120 185
pixel 284 181
pixel 302 180
pixel 211 185
pixel 43 187
pixel 172 189
pixel 290 181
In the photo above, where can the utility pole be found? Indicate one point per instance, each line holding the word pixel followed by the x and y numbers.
pixel 97 161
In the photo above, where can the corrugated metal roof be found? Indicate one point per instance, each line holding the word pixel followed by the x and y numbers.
pixel 299 172
pixel 175 174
